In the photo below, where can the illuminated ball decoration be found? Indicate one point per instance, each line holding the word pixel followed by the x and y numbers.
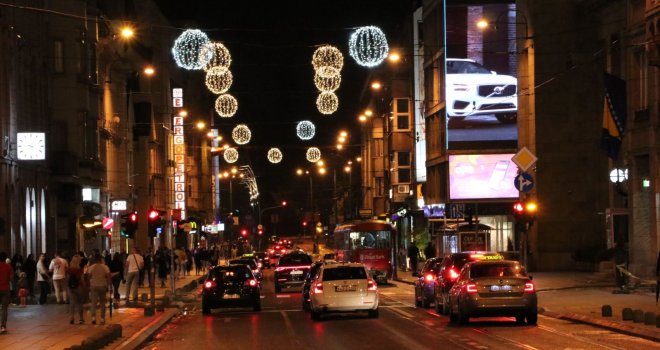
pixel 191 50
pixel 327 103
pixel 328 56
pixel 221 57
pixel 368 46
pixel 274 155
pixel 327 83
pixel 313 154
pixel 231 155
pixel 305 130
pixel 218 80
pixel 241 134
pixel 226 105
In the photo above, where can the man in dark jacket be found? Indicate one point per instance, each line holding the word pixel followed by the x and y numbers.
pixel 413 255
pixel 429 251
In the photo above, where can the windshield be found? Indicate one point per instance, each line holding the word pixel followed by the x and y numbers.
pixel 466 67
pixel 249 262
pixel 496 270
pixel 295 259
pixel 344 273
pixel 369 240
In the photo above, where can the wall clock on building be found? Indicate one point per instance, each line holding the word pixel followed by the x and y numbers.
pixel 31 145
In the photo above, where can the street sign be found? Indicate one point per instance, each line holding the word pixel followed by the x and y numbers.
pixel 119 205
pixel 524 182
pixel 108 223
pixel 524 159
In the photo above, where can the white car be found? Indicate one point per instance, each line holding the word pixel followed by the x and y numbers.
pixel 343 287
pixel 473 90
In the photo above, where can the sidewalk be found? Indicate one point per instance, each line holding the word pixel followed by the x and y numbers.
pixel 47 326
pixel 580 296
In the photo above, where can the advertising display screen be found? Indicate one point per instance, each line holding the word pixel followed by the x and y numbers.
pixel 482 176
pixel 481 88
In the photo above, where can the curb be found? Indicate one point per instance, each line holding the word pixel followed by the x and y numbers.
pixel 404 281
pixel 611 325
pixel 147 331
pixel 100 339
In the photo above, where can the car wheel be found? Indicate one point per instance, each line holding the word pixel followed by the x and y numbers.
pixel 463 317
pixel 520 319
pixel 455 122
pixel 373 313
pixel 316 316
pixel 532 317
pixel 508 118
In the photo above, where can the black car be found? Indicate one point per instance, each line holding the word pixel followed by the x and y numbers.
pixel 251 262
pixel 307 284
pixel 425 284
pixel 449 271
pixel 230 286
pixel 291 269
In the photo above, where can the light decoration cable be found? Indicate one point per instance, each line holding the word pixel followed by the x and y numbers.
pixel 368 46
pixel 274 155
pixel 231 155
pixel 221 56
pixel 218 80
pixel 327 103
pixel 328 56
pixel 313 154
pixel 326 83
pixel 226 105
pixel 241 134
pixel 191 50
pixel 305 130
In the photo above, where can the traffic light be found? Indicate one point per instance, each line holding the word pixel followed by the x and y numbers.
pixel 525 214
pixel 284 203
pixel 155 223
pixel 130 225
pixel 260 232
pixel 244 232
pixel 304 223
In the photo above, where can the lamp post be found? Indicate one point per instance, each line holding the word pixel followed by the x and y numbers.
pixel 300 172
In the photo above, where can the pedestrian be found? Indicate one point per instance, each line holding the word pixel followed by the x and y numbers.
pixel 58 266
pixel 413 255
pixel 134 263
pixel 197 256
pixel 99 279
pixel 429 251
pixel 43 279
pixel 30 268
pixel 22 287
pixel 148 265
pixel 77 289
pixel 117 272
pixel 163 266
pixel 6 275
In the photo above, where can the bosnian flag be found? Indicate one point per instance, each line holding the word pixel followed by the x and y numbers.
pixel 614 115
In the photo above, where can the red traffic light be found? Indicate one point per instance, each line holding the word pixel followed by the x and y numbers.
pixel 133 217
pixel 518 208
pixel 304 223
pixel 153 214
pixel 260 232
pixel 284 203
pixel 244 232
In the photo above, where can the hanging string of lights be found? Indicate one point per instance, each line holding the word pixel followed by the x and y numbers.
pixel 368 46
pixel 192 50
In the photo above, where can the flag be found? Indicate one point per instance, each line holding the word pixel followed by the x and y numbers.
pixel 614 115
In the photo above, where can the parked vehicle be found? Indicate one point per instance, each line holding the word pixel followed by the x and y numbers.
pixel 230 286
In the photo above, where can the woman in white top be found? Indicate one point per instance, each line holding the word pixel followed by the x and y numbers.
pixel 42 279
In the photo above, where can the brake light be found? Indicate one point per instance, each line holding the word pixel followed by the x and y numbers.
pixel 282 268
pixel 260 265
pixel 428 277
pixel 283 251
pixel 453 275
pixel 318 288
pixel 529 287
pixel 471 288
pixel 372 286
pixel 251 282
pixel 209 284
pixel 271 251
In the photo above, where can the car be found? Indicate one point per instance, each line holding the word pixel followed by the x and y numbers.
pixel 343 287
pixel 425 283
pixel 474 90
pixel 291 269
pixel 330 257
pixel 262 258
pixel 230 286
pixel 274 254
pixel 450 268
pixel 251 263
pixel 493 288
pixel 313 269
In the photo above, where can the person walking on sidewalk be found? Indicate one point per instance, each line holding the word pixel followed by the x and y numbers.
pixel 58 266
pixel 30 268
pixel 163 262
pixel 117 273
pixel 413 255
pixel 134 263
pixel 99 280
pixel 77 289
pixel 6 275
pixel 43 280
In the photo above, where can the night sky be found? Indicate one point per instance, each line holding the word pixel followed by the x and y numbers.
pixel 272 43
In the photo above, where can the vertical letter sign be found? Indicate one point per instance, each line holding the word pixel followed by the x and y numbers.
pixel 179 166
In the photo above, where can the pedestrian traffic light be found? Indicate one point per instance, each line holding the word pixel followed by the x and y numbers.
pixel 244 232
pixel 155 223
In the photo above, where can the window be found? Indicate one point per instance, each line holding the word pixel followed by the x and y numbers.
pixel 378 148
pixel 402 122
pixel 379 186
pixel 403 158
pixel 401 114
pixel 403 175
pixel 58 56
pixel 402 105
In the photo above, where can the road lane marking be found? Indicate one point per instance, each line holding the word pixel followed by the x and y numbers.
pixel 582 339
pixel 513 342
pixel 289 329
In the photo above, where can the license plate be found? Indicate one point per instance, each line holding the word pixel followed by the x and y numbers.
pixel 231 296
pixel 296 272
pixel 347 288
pixel 502 288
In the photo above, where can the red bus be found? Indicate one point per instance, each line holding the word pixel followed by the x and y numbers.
pixel 368 242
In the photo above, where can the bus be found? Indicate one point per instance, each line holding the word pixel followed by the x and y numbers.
pixel 368 242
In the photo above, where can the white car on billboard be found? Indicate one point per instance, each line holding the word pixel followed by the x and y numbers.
pixel 474 90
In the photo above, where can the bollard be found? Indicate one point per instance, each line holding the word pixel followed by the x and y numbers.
pixel 638 316
pixel 149 310
pixel 160 307
pixel 606 311
pixel 144 297
pixel 657 321
pixel 166 301
pixel 649 318
pixel 627 314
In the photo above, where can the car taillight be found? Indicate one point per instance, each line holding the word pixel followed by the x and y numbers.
pixel 471 288
pixel 371 285
pixel 453 275
pixel 529 287
pixel 209 284
pixel 428 277
pixel 318 288
pixel 260 265
pixel 271 251
pixel 280 269
pixel 251 282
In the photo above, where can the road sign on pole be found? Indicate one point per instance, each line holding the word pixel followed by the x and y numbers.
pixel 524 159
pixel 524 182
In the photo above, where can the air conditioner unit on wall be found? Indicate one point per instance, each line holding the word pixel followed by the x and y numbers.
pixel 403 189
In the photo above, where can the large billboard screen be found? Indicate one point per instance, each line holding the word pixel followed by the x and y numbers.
pixel 482 176
pixel 481 89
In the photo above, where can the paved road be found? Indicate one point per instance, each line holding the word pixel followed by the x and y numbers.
pixel 283 325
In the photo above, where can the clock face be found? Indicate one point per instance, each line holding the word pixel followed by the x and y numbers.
pixel 31 145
